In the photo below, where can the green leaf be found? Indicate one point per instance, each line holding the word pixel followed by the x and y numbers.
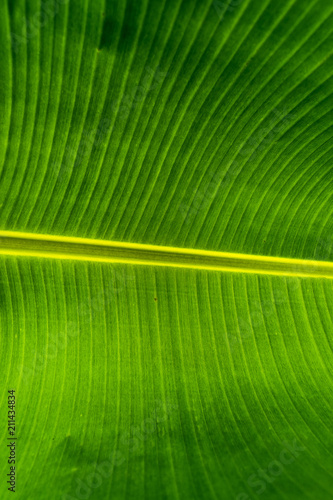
pixel 166 248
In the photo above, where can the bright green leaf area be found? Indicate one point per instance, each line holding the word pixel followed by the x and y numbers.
pixel 169 122
pixel 200 124
pixel 187 382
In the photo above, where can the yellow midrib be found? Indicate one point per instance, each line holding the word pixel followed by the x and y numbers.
pixel 83 249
